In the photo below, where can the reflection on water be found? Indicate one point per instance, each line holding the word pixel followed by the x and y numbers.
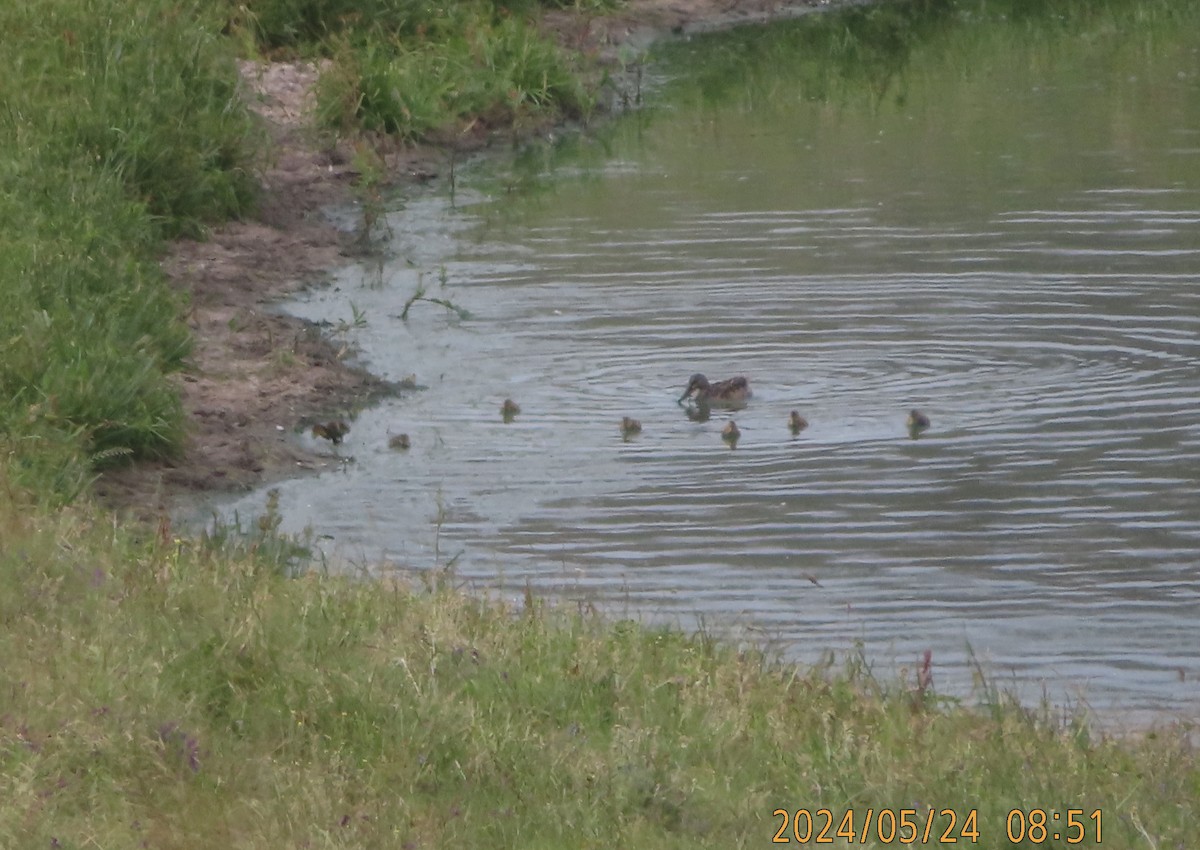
pixel 1013 251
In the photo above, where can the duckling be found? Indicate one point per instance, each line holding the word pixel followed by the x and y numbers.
pixel 630 427
pixel 796 422
pixel 730 393
pixel 333 431
pixel 400 442
pixel 509 410
pixel 731 433
pixel 917 422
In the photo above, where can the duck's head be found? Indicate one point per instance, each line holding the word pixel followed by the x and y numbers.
pixel 698 383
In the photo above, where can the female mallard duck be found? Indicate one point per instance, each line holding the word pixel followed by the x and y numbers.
pixel 509 410
pixel 796 422
pixel 730 393
pixel 332 431
pixel 917 422
pixel 630 427
pixel 399 442
pixel 731 433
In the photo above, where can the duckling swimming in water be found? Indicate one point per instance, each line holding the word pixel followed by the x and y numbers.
pixel 796 422
pixel 509 410
pixel 917 422
pixel 730 393
pixel 400 442
pixel 332 431
pixel 731 433
pixel 630 427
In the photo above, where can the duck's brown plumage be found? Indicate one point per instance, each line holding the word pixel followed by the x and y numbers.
pixel 733 391
pixel 917 421
pixel 332 431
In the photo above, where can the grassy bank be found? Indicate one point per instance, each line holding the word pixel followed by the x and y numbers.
pixel 119 129
pixel 168 692
pixel 123 126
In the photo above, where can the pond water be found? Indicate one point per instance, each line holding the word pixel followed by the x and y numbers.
pixel 1001 229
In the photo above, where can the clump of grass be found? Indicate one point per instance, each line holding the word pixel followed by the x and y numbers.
pixel 368 192
pixel 189 694
pixel 421 293
pixel 485 71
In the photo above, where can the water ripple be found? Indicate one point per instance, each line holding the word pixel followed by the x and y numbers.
pixel 1048 517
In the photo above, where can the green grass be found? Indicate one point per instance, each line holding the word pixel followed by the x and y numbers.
pixel 120 128
pixel 410 68
pixel 179 692
pixel 306 24
pixel 144 91
pixel 486 69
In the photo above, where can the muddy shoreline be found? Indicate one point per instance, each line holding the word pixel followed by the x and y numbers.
pixel 256 377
